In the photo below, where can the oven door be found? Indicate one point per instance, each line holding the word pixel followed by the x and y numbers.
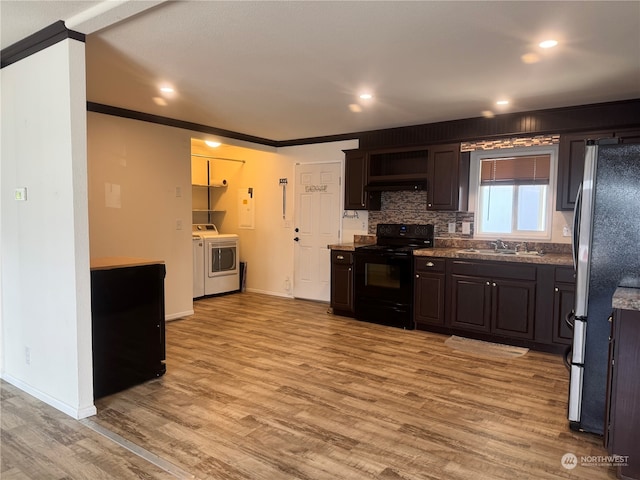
pixel 222 258
pixel 384 288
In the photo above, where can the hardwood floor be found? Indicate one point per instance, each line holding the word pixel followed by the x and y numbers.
pixel 266 388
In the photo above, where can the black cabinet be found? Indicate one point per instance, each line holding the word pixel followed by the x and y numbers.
pixel 396 165
pixel 429 291
pixel 470 303
pixel 622 429
pixel 342 275
pixel 571 161
pixel 571 153
pixel 128 326
pixel 564 291
pixel 441 169
pixel 494 298
pixel 447 178
pixel 356 170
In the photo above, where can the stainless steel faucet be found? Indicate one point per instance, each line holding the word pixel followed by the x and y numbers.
pixel 499 245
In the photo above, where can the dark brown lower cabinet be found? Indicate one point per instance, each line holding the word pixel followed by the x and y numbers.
pixel 342 301
pixel 429 291
pixel 500 306
pixel 563 301
pixel 513 307
pixel 623 418
pixel 471 303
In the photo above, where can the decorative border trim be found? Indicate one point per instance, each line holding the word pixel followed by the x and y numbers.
pixel 54 33
pixel 172 122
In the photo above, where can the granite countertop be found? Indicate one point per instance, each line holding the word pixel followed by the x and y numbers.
pixel 552 258
pixel 454 252
pixel 626 298
pixel 107 263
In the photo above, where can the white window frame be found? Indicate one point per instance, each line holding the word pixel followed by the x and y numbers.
pixel 474 188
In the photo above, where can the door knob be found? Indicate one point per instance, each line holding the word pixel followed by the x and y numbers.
pixel 296 239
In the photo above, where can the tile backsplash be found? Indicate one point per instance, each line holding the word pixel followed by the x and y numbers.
pixel 411 207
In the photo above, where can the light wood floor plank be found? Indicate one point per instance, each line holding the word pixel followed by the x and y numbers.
pixel 266 388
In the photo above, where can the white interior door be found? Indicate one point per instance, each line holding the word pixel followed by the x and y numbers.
pixel 317 224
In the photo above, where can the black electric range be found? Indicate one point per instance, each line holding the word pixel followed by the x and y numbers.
pixel 384 274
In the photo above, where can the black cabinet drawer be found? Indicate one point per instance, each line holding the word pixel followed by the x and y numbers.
pixel 565 275
pixel 341 257
pixel 429 264
pixel 494 270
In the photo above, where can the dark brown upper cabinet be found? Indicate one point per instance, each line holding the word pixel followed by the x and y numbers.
pixel 447 178
pixel 398 165
pixel 356 170
pixel 571 161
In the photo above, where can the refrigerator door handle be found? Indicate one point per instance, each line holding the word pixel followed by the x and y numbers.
pixel 579 340
pixel 575 393
pixel 576 227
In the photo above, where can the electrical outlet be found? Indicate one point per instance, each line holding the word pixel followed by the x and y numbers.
pixel 566 231
pixel 178 191
pixel 466 228
pixel 178 224
pixel 452 227
pixel 27 355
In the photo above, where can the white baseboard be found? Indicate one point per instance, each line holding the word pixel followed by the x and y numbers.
pixel 175 316
pixel 273 294
pixel 74 412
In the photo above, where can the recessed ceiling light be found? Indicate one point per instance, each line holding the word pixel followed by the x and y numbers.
pixel 502 102
pixel 167 89
pixel 366 96
pixel 548 44
pixel 530 58
pixel 212 143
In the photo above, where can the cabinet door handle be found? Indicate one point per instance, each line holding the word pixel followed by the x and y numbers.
pixel 494 284
pixel 556 289
pixel 349 268
pixel 429 264
pixel 417 276
pixel 340 257
pixel 488 283
pixel 429 205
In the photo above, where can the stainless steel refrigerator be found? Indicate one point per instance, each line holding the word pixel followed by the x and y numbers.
pixel 606 247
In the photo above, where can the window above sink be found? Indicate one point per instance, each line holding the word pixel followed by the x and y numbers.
pixel 512 192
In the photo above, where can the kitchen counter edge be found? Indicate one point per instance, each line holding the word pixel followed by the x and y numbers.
pixel 626 298
pixel 561 259
pixel 108 263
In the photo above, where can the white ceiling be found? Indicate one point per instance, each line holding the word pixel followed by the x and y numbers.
pixel 287 70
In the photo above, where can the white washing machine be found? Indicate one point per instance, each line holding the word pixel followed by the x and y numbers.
pixel 221 260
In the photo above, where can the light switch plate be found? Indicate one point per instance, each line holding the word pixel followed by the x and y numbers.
pixel 466 228
pixel 21 194
pixel 452 227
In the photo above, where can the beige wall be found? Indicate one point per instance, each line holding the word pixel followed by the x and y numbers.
pixel 150 164
pixel 46 299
